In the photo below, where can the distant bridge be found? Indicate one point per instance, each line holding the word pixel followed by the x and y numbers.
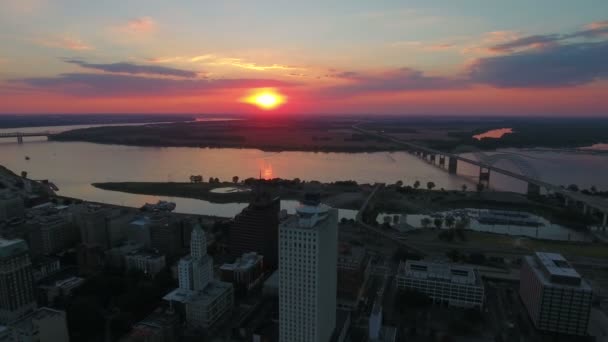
pixel 486 166
pixel 21 135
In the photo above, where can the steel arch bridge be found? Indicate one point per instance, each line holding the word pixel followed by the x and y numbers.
pixel 524 167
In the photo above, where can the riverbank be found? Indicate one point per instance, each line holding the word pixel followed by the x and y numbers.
pixel 344 195
pixel 326 134
pixel 265 135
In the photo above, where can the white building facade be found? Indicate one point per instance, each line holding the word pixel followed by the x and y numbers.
pixel 456 285
pixel 307 273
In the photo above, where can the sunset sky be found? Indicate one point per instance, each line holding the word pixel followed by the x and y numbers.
pixel 518 57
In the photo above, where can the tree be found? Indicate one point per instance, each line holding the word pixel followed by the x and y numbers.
pixel 416 184
pixel 438 223
pixel 593 189
pixel 446 235
pixel 426 222
pixel 430 185
pixel 463 223
pixel 464 187
pixel 573 187
pixel 454 255
pixel 477 258
pixel 23 174
pixel 411 298
pixel 449 221
pixel 399 183
pixel 480 187
pixel 235 179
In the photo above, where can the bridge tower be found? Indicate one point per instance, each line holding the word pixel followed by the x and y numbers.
pixel 484 177
pixel 452 165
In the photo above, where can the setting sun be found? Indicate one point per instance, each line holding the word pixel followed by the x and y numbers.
pixel 265 98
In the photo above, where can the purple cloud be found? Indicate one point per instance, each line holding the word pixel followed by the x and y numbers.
pixel 556 66
pixel 135 69
pixel 404 79
pixel 593 30
pixel 527 42
pixel 101 85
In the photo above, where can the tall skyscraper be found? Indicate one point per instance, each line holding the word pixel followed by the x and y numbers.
pixel 16 281
pixel 308 244
pixel 255 229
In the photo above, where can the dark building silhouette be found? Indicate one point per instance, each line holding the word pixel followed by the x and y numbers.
pixel 256 228
pixel 16 281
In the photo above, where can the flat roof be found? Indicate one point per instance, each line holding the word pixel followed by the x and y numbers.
pixel 446 272
pixel 248 260
pixel 556 264
pixel 554 270
pixel 12 247
pixel 213 290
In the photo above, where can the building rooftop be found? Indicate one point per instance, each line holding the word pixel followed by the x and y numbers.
pixel 12 247
pixel 141 221
pixel 145 253
pixel 213 290
pixel 26 323
pixel 439 271
pixel 554 269
pixel 245 262
pixel 308 215
pixel 179 295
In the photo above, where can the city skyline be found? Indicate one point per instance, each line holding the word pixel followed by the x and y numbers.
pixel 347 57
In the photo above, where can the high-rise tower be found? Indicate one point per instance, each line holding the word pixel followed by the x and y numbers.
pixel 255 229
pixel 308 244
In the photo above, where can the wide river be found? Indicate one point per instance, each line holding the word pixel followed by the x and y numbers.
pixel 73 166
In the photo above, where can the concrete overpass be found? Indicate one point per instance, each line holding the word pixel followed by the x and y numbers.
pixel 589 203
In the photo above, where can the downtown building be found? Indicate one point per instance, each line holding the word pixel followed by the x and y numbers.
pixel 11 206
pixel 149 262
pixel 246 273
pixel 203 299
pixel 308 244
pixel 255 229
pixel 42 325
pixel 455 285
pixel 556 297
pixel 16 281
pixel 354 269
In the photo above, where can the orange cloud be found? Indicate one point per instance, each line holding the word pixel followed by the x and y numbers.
pixel 139 25
pixel 211 59
pixel 597 25
pixel 67 42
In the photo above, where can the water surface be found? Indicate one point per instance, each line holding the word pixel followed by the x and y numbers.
pixel 494 133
